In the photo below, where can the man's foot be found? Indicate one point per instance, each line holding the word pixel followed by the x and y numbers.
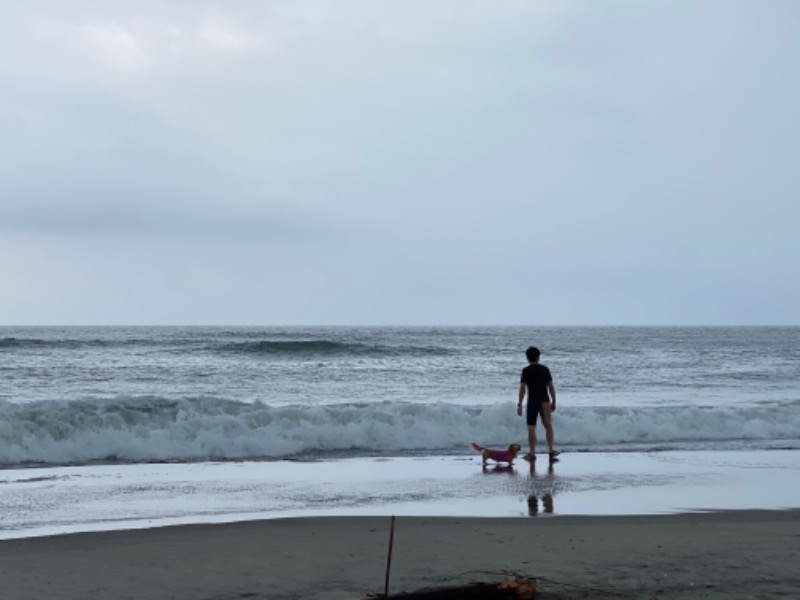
pixel 530 457
pixel 554 453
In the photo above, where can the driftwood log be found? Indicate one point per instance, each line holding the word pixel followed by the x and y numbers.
pixel 516 589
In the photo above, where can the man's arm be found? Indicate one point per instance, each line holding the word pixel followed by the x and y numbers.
pixel 522 388
pixel 552 389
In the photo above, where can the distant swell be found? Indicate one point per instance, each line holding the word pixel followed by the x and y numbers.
pixel 325 347
pixel 14 343
pixel 297 347
pixel 275 348
pixel 142 429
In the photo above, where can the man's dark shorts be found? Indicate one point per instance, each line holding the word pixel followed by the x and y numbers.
pixel 539 408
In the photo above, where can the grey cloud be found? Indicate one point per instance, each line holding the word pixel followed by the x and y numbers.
pixel 595 162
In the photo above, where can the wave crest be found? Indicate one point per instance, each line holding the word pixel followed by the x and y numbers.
pixel 143 429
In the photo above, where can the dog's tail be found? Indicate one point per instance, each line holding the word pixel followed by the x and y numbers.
pixel 478 448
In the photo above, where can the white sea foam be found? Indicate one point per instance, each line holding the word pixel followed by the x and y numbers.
pixel 134 429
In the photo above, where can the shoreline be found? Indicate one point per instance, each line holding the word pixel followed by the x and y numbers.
pixel 119 497
pixel 714 524
pixel 730 554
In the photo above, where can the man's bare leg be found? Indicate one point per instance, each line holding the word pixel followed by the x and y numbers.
pixel 548 430
pixel 532 441
pixel 550 445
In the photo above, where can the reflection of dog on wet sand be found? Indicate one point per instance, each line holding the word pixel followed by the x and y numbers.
pixel 506 456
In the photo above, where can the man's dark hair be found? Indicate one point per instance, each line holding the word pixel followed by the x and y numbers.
pixel 533 354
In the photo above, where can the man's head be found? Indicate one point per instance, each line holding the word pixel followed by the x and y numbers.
pixel 533 354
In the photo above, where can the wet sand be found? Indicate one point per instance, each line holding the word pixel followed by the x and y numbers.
pixel 664 525
pixel 47 501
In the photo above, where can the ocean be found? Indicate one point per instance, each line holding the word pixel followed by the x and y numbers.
pixel 129 395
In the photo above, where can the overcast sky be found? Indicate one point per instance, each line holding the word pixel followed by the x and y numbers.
pixel 541 162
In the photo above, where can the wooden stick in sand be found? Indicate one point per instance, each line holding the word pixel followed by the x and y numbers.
pixel 389 560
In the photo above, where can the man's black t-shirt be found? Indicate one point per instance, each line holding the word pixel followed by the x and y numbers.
pixel 536 377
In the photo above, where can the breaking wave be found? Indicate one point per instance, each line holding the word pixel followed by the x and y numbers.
pixel 147 429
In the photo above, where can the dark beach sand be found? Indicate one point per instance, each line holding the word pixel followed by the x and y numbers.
pixel 738 554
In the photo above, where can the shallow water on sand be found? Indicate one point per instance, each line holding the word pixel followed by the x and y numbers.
pixel 68 499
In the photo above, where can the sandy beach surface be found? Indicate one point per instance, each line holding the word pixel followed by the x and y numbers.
pixel 738 554
pixel 660 525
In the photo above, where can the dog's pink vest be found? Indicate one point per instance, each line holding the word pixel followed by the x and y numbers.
pixel 501 455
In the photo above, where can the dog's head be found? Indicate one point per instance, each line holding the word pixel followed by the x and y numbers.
pixel 514 448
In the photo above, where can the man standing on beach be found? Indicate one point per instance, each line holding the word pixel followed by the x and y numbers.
pixel 537 381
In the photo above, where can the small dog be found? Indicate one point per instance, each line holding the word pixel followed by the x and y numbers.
pixel 506 456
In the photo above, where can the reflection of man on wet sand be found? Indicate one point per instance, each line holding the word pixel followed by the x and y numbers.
pixel 547 488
